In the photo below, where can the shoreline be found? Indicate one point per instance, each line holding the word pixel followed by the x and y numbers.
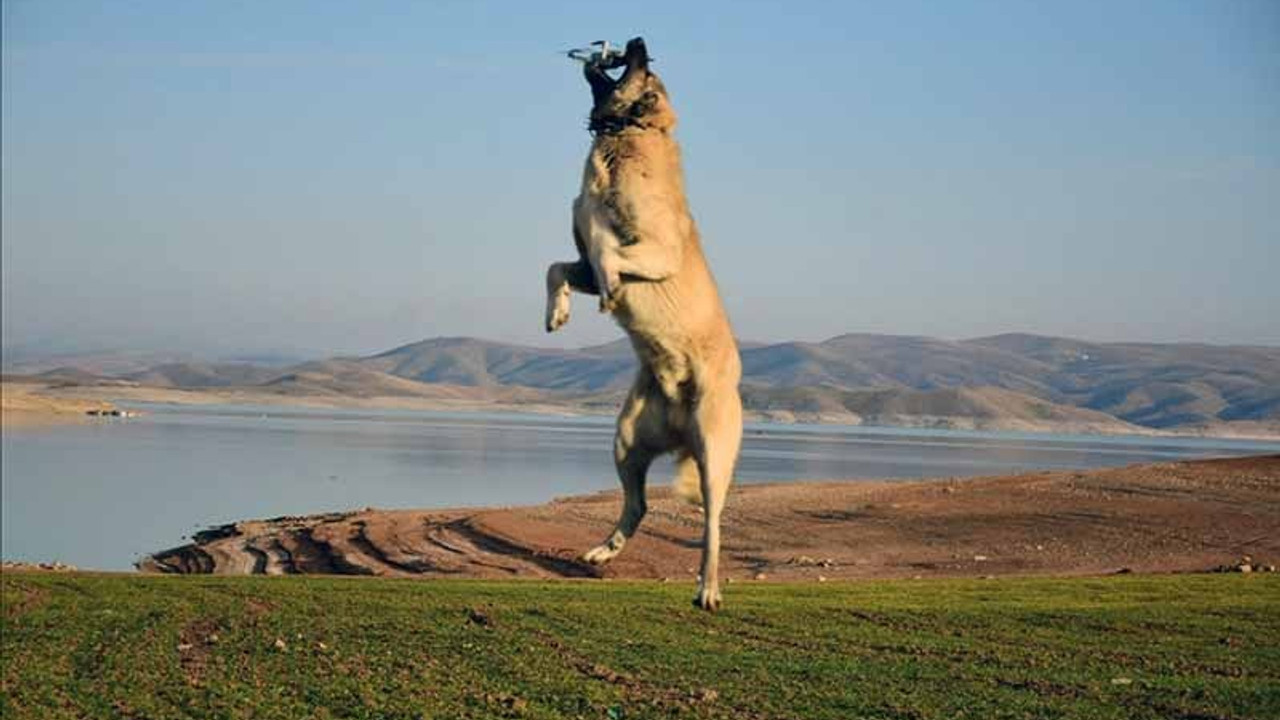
pixel 1192 516
pixel 63 404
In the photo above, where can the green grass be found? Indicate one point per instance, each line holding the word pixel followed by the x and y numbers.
pixel 77 646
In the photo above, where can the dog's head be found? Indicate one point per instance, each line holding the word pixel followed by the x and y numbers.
pixel 635 99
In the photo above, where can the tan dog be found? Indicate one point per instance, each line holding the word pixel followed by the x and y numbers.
pixel 639 251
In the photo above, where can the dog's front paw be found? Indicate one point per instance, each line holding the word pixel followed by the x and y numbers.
pixel 557 312
pixel 707 598
pixel 557 299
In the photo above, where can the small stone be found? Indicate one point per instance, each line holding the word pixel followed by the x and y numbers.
pixel 1121 681
pixel 822 578
pixel 509 702
pixel 759 576
pixel 183 647
pixel 603 672
pixel 212 639
pixel 1244 568
pixel 708 695
pixel 321 646
pixel 1267 568
pixel 280 644
pixel 979 558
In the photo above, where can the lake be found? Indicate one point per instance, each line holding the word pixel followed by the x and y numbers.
pixel 101 495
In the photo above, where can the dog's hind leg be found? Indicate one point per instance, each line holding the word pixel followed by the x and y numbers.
pixel 687 483
pixel 562 278
pixel 641 437
pixel 716 435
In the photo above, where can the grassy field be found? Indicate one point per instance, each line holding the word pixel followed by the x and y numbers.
pixel 86 646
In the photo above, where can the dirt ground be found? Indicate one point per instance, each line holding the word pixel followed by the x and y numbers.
pixel 1169 517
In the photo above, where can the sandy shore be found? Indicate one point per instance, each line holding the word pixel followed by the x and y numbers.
pixel 32 404
pixel 1169 517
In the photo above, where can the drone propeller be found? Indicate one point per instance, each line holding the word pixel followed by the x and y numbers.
pixel 599 52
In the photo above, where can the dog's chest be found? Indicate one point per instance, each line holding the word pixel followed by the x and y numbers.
pixel 594 220
pixel 667 359
pixel 600 214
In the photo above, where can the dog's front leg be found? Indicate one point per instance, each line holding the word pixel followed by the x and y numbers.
pixel 609 281
pixel 650 260
pixel 563 278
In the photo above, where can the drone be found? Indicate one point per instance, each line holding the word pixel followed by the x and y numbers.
pixel 599 53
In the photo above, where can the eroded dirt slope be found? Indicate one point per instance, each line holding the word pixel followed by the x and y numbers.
pixel 1147 518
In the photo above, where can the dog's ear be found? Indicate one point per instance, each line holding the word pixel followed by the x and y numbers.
pixel 637 55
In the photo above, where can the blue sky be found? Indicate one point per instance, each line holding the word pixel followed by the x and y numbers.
pixel 343 177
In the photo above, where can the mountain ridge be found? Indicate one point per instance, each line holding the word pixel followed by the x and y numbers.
pixel 1008 378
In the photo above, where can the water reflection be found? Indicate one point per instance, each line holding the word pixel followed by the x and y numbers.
pixel 100 495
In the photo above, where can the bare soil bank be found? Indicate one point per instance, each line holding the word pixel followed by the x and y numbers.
pixel 26 404
pixel 1169 517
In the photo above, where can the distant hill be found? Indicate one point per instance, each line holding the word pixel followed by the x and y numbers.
pixel 107 364
pixel 983 408
pixel 1013 380
pixel 203 375
pixel 348 378
pixel 468 361
pixel 891 361
pixel 1157 385
pixel 1153 385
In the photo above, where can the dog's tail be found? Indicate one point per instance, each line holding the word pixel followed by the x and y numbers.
pixel 687 484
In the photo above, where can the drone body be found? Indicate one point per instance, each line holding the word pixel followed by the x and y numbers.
pixel 599 53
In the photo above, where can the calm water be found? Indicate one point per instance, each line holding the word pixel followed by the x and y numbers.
pixel 101 495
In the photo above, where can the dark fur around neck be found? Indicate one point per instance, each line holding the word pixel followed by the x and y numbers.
pixel 613 125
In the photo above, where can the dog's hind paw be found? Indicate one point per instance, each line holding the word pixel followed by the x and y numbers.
pixel 600 554
pixel 707 599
